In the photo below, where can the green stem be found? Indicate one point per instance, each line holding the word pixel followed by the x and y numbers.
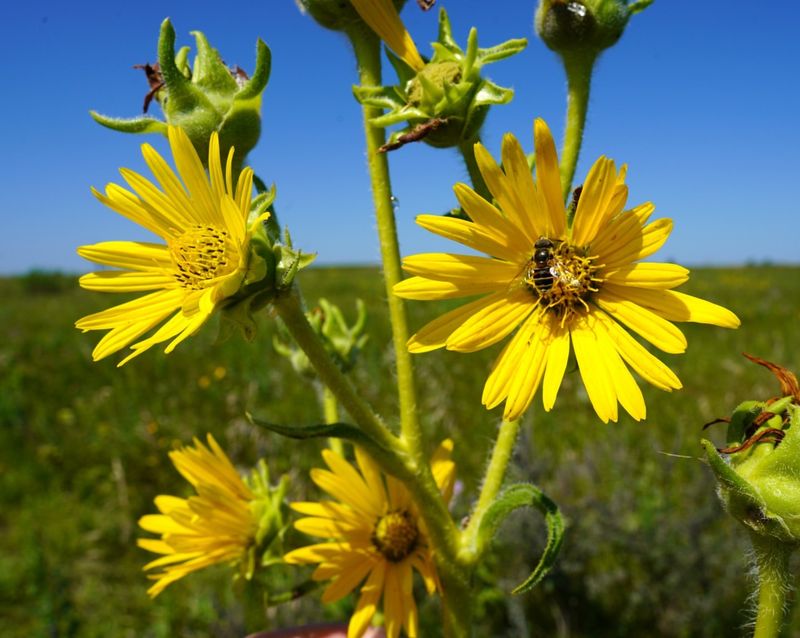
pixel 468 153
pixel 290 310
pixel 774 583
pixel 330 410
pixel 492 482
pixel 368 55
pixel 578 67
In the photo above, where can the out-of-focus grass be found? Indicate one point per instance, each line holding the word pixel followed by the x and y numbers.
pixel 83 452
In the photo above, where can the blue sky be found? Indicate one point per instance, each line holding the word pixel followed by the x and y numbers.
pixel 699 98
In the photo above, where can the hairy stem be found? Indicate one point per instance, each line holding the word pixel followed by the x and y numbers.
pixel 578 67
pixel 774 583
pixel 368 56
pixel 492 482
pixel 330 411
pixel 291 311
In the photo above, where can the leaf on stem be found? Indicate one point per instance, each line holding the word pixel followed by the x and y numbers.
pixel 526 495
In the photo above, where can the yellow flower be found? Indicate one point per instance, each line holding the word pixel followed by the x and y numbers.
pixel 375 534
pixel 383 19
pixel 204 224
pixel 219 525
pixel 556 284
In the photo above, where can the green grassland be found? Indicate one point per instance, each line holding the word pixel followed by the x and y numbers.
pixel 83 451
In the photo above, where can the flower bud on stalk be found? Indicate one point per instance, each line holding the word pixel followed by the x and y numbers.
pixel 202 99
pixel 445 101
pixel 759 469
pixel 571 27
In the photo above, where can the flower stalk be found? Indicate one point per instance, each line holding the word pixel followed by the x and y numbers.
pixel 367 51
pixel 579 78
pixel 774 583
pixel 492 482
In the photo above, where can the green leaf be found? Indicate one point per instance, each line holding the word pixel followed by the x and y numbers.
pixel 397 117
pixel 512 498
pixel 182 95
pixel 141 124
pixel 501 51
pixel 345 431
pixel 639 6
pixel 298 591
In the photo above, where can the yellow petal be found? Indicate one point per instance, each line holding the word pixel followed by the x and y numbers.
pixel 677 306
pixel 435 333
pixel 367 602
pixel 531 205
pixel 548 180
pixel 423 289
pixel 658 331
pixel 383 19
pixel 492 323
pixel 646 275
pixel 557 358
pixel 502 189
pixel 506 366
pixel 347 581
pixel 129 255
pixel 449 267
pixel 594 373
pixel 474 236
pixel 627 391
pixel 594 206
pixel 191 170
pixel 637 357
pixel 126 281
pixel 648 240
pixel 530 370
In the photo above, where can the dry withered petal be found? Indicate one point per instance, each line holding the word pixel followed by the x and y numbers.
pixel 787 379
pixel 420 131
pixel 154 79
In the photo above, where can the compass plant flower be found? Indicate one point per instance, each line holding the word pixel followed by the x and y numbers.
pixel 559 285
pixel 229 520
pixel 206 258
pixel 375 535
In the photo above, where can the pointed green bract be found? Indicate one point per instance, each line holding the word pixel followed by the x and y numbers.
pixel 446 102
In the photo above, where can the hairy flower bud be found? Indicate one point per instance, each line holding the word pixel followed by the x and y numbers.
pixel 205 98
pixel 583 26
pixel 445 102
pixel 759 469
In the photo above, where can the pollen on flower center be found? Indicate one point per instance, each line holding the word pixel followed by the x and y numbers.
pixel 395 535
pixel 201 254
pixel 560 276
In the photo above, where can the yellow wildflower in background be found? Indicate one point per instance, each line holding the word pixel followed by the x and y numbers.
pixel 203 222
pixel 556 285
pixel 219 525
pixel 383 19
pixel 374 533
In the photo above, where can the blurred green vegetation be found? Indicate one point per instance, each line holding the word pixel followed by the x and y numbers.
pixel 83 452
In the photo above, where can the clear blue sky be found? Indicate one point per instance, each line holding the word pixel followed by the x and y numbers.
pixel 699 98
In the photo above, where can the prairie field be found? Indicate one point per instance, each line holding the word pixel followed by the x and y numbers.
pixel 83 452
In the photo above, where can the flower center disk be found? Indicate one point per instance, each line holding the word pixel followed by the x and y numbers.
pixel 395 535
pixel 200 255
pixel 560 276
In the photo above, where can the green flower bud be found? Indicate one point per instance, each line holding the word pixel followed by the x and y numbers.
pixel 583 26
pixel 337 15
pixel 271 511
pixel 342 342
pixel 202 99
pixel 759 470
pixel 444 103
pixel 273 265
